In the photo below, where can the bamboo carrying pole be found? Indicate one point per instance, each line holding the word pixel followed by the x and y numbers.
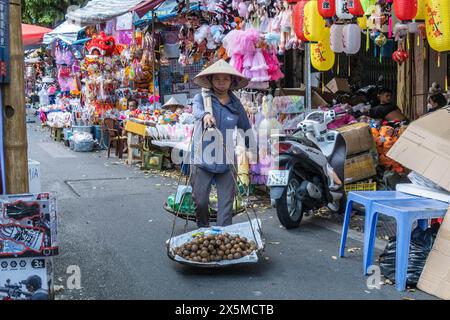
pixel 14 111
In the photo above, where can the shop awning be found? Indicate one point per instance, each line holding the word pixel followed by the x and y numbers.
pixel 67 32
pixel 99 11
pixel 33 35
pixel 142 8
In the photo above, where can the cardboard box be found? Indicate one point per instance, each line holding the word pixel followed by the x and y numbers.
pixel 338 85
pixel 435 277
pixel 358 138
pixel 425 147
pixel 359 168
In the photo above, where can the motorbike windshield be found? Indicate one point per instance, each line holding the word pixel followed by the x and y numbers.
pixel 300 136
pixel 318 117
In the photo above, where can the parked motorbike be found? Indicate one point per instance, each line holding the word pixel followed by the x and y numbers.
pixel 309 169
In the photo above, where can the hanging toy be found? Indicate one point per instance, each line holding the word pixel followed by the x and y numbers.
pixel 400 56
pixel 400 31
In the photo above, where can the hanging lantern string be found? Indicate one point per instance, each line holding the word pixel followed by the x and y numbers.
pixel 407 41
pixel 439 59
pixel 349 67
pixel 367 40
pixel 323 82
pixel 338 57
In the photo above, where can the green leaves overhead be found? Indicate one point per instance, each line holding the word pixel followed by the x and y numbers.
pixel 46 13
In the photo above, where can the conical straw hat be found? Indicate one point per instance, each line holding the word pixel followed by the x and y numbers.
pixel 221 67
pixel 172 103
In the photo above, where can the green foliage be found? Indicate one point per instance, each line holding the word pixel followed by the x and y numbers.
pixel 46 13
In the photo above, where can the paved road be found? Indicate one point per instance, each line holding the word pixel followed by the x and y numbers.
pixel 112 225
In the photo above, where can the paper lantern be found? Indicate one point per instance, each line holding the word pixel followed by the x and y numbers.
pixel 420 16
pixel 405 10
pixel 366 5
pixel 314 24
pixel 298 14
pixel 437 22
pixel 337 38
pixel 352 38
pixel 327 8
pixel 355 8
pixel 342 10
pixel 400 56
pixel 362 22
pixel 322 57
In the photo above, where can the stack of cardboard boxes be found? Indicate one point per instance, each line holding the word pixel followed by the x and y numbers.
pixel 361 162
pixel 425 148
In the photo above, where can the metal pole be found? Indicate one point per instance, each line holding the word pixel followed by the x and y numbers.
pixel 14 111
pixel 308 99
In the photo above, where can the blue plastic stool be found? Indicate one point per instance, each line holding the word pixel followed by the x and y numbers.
pixel 405 213
pixel 367 198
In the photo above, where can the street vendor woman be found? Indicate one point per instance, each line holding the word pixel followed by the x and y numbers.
pixel 217 108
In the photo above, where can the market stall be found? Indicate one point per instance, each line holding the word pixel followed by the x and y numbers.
pixel 33 35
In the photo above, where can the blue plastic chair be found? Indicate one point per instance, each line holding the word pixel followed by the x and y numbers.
pixel 367 198
pixel 405 213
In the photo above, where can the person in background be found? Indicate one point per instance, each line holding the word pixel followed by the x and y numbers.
pixel 132 105
pixel 34 286
pixel 386 109
pixel 436 101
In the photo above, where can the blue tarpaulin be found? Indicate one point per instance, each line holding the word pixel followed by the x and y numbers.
pixel 166 11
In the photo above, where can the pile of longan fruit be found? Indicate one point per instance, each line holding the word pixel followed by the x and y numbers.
pixel 214 248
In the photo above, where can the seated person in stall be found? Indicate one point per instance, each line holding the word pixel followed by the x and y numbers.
pixel 173 109
pixel 386 110
pixel 133 107
pixel 436 101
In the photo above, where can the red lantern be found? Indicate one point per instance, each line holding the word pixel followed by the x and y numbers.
pixel 405 10
pixel 327 8
pixel 355 8
pixel 400 56
pixel 297 18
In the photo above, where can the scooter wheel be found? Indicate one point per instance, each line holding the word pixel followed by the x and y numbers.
pixel 289 206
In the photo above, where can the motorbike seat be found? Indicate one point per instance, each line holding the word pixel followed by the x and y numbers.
pixel 337 158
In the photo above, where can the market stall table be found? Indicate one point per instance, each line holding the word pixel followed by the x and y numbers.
pixel 135 128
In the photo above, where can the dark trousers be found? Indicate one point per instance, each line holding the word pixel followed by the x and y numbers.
pixel 226 191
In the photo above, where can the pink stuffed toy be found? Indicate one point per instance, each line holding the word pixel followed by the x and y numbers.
pixel 342 119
